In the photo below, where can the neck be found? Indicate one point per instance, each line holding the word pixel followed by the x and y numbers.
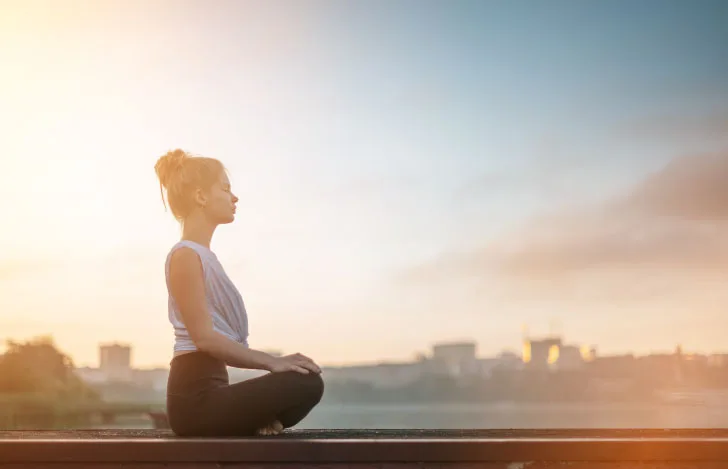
pixel 198 231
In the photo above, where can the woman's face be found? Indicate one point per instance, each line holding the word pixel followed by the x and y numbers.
pixel 220 201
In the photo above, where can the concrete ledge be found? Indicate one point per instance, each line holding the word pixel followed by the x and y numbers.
pixel 510 449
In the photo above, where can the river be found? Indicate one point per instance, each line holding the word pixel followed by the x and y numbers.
pixel 506 415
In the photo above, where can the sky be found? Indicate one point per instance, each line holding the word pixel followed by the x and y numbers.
pixel 410 172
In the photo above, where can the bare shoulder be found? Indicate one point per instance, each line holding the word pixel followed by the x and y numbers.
pixel 184 261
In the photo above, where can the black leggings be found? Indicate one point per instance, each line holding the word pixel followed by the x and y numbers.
pixel 202 402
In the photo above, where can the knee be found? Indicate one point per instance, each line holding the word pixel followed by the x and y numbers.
pixel 311 386
pixel 316 386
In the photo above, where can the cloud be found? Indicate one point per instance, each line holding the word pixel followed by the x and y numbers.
pixel 639 272
pixel 675 219
pixel 558 171
pixel 696 128
pixel 690 188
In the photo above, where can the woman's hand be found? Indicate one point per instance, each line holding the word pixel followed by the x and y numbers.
pixel 296 362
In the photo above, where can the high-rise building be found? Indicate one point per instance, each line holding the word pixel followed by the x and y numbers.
pixel 115 361
pixel 541 354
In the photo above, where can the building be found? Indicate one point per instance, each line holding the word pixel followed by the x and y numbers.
pixel 551 353
pixel 455 358
pixel 541 354
pixel 153 378
pixel 115 362
pixel 570 358
pixel 454 351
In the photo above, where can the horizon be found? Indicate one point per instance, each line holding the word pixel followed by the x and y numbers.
pixel 406 175
pixel 415 355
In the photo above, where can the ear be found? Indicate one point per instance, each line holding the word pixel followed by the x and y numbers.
pixel 200 198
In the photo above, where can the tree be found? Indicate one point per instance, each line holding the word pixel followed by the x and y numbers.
pixel 37 366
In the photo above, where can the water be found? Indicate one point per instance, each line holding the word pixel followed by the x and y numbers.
pixel 517 415
pixel 503 415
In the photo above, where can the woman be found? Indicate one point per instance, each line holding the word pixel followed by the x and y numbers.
pixel 211 325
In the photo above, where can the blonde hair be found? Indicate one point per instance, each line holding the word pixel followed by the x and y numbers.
pixel 180 174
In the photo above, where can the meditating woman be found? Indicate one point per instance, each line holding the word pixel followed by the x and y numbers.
pixel 211 324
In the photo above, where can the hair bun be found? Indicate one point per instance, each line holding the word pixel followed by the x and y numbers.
pixel 168 164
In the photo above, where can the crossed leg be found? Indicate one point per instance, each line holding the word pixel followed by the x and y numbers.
pixel 246 407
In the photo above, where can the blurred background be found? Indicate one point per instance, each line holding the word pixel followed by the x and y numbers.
pixel 472 214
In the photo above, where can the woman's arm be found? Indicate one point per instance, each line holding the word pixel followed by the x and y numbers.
pixel 188 290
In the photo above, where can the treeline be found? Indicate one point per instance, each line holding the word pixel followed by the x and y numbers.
pixel 39 388
pixel 37 367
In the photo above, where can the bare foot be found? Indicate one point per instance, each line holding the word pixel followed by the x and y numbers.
pixel 274 428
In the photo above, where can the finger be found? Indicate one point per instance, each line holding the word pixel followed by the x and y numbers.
pixel 308 359
pixel 318 368
pixel 310 366
pixel 300 369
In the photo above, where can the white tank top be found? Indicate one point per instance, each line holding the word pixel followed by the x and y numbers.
pixel 224 302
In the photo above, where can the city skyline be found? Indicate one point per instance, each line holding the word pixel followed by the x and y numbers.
pixel 406 175
pixel 414 356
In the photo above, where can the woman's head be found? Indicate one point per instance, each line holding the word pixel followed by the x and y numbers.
pixel 196 185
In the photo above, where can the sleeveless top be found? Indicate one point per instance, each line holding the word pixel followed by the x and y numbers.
pixel 224 302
